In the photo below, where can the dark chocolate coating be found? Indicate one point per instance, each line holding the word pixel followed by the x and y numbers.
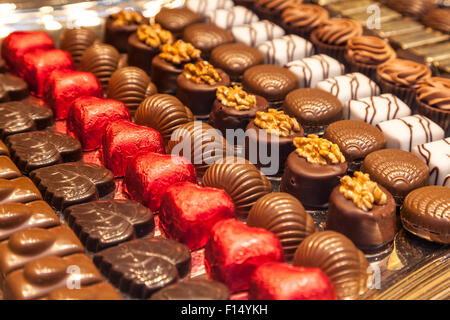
pixel 223 117
pixel 72 183
pixel 311 183
pixel 165 74
pixel 269 81
pixel 19 190
pixel 12 88
pixel 2 65
pixel 206 37
pixel 398 171
pixel 27 245
pixel 38 149
pixel 8 169
pixel 369 230
pixel 23 116
pixel 100 291
pixel 76 41
pixel 356 139
pixel 140 54
pixel 285 144
pixel 17 216
pixel 106 223
pixel 176 19
pixel 195 289
pixel 117 35
pixel 425 213
pixel 141 267
pixel 199 97
pixel 235 58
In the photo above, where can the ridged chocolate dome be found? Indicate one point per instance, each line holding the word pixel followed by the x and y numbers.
pixel 285 216
pixel 240 179
pixel 76 41
pixel 338 257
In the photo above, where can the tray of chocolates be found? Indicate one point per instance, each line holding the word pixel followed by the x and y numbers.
pixel 216 150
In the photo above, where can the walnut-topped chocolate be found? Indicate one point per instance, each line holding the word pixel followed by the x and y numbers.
pixel 179 52
pixel 277 122
pixel 127 17
pixel 362 191
pixel 318 150
pixel 153 35
pixel 202 72
pixel 235 97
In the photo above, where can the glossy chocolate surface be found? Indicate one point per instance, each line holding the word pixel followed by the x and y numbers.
pixel 76 41
pixel 140 54
pixel 176 19
pixel 8 169
pixel 117 34
pixel 67 184
pixel 141 267
pixel 165 74
pixel 206 37
pixel 194 290
pixel 12 87
pixel 3 149
pixel 33 150
pixel 103 224
pixel 100 291
pixel 19 190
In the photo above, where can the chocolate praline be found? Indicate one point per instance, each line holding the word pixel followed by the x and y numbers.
pixel 235 58
pixel 313 108
pixel 176 19
pixel 76 41
pixel 117 34
pixel 206 37
pixel 224 117
pixel 12 87
pixel 165 74
pixel 194 289
pixel 369 230
pixel 272 9
pixel 199 97
pixel 140 54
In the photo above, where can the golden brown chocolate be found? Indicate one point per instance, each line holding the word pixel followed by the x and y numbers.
pixel 100 291
pixel 235 97
pixel 318 150
pixel 3 149
pixel 179 52
pixel 176 19
pixel 369 50
pixel 303 18
pixel 76 41
pixel 201 72
pixel 435 92
pixel 415 8
pixel 438 19
pixel 153 35
pixel 20 190
pixel 8 169
pixel 338 31
pixel 127 17
pixel 403 73
pixel 277 122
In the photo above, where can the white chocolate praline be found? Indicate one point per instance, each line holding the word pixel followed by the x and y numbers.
pixel 257 32
pixel 285 49
pixel 376 109
pixel 349 86
pixel 437 156
pixel 228 18
pixel 408 132
pixel 316 68
pixel 204 6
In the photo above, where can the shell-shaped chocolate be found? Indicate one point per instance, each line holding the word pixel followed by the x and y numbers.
pixel 426 213
pixel 240 179
pixel 200 143
pixel 130 85
pixel 176 19
pixel 398 171
pixel 102 60
pixel 206 36
pixel 164 113
pixel 76 41
pixel 283 215
pixel 355 138
pixel 338 258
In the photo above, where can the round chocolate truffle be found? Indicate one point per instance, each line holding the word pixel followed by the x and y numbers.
pixel 235 58
pixel 206 37
pixel 338 258
pixel 313 108
pixel 102 60
pixel 194 289
pixel 240 179
pixel 369 218
pixel 131 86
pixel 415 8
pixel 164 113
pixel 270 81
pixel 76 41
pixel 426 213
pixel 176 19
pixel 285 216
pixel 398 171
pixel 356 139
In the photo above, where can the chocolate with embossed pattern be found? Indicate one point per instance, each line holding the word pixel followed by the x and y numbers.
pixel 206 37
pixel 76 41
pixel 176 19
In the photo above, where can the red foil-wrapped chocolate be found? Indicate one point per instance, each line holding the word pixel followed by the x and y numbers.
pixel 17 43
pixel 149 174
pixel 39 64
pixel 62 87
pixel 189 212
pixel 89 116
pixel 282 281
pixel 123 140
pixel 235 250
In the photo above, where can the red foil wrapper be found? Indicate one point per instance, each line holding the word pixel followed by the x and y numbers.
pixel 282 281
pixel 89 117
pixel 235 250
pixel 62 87
pixel 189 212
pixel 17 43
pixel 39 64
pixel 149 174
pixel 123 140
